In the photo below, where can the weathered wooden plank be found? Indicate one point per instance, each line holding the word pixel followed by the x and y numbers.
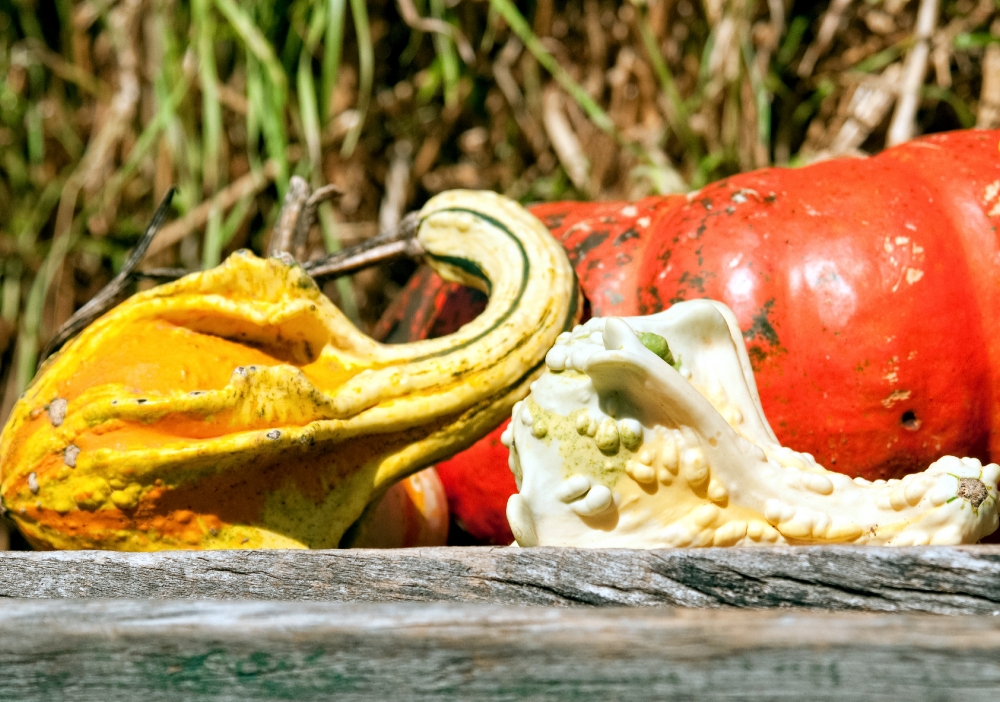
pixel 100 650
pixel 930 579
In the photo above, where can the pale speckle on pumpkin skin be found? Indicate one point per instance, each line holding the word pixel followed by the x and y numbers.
pixel 991 192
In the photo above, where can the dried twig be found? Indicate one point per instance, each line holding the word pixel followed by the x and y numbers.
pixel 512 92
pixel 564 140
pixel 86 13
pixel 408 11
pixel 944 39
pixel 307 218
pixel 869 105
pixel 397 186
pixel 124 30
pixel 401 241
pixel 827 30
pixel 250 184
pixel 903 123
pixel 509 11
pixel 776 10
pixel 988 115
pixel 724 60
pixel 92 169
pixel 64 69
pixel 597 48
pixel 161 273
pixel 112 293
pixel 283 233
pixel 232 99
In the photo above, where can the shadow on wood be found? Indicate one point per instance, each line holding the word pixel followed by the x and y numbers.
pixel 272 650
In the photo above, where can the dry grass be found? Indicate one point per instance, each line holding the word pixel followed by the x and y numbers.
pixel 106 103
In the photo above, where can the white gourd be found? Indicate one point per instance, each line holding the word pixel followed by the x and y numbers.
pixel 636 453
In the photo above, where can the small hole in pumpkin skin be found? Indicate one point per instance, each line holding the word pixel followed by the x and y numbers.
pixel 909 421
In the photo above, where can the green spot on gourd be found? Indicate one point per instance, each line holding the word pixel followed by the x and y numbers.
pixel 658 345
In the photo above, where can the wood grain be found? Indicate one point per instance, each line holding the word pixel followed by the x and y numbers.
pixel 240 651
pixel 943 580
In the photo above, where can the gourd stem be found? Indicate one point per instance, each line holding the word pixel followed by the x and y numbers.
pixel 401 241
pixel 283 233
pixel 162 273
pixel 386 246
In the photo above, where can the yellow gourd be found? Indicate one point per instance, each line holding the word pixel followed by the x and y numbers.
pixel 238 408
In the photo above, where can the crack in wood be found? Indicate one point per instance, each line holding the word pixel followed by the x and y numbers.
pixel 924 579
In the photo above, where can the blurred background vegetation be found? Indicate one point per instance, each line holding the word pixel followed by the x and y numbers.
pixel 105 104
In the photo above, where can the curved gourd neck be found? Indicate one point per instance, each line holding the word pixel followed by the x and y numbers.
pixel 487 242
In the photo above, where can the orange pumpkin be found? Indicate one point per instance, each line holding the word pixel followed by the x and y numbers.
pixel 866 290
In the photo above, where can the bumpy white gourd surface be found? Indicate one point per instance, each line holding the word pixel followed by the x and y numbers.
pixel 614 447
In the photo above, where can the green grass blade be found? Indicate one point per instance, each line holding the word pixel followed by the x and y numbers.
pixel 273 119
pixel 445 48
pixel 211 109
pixel 255 41
pixel 36 134
pixel 211 250
pixel 11 303
pixel 366 74
pixel 306 89
pixel 679 117
pixel 762 97
pixel 34 307
pixel 348 304
pixel 166 112
pixel 792 41
pixel 962 111
pixel 255 101
pixel 27 234
pixel 880 60
pixel 520 27
pixel 333 47
pixel 233 221
pixel 308 110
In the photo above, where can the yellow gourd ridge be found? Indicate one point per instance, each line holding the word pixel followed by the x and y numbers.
pixel 617 447
pixel 239 408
